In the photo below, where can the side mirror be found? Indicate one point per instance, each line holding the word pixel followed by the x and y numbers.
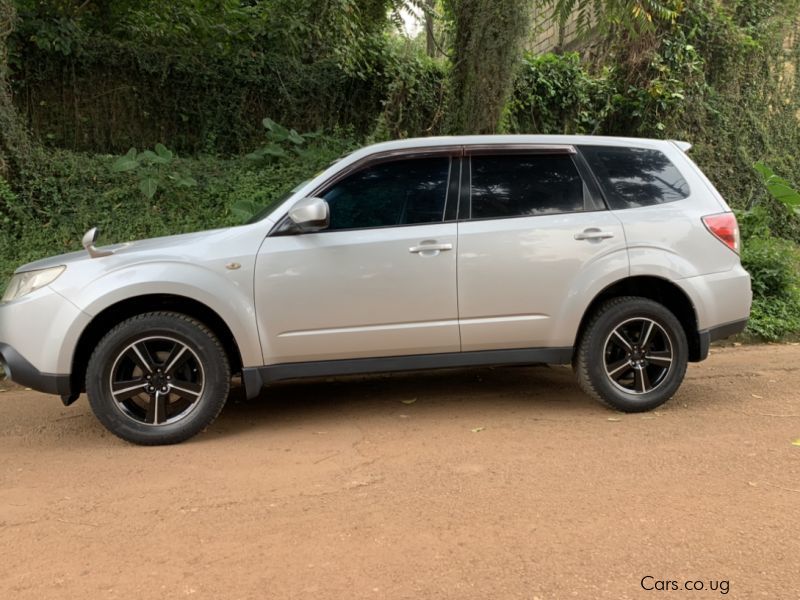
pixel 310 214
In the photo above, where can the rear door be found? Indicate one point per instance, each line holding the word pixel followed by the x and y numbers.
pixel 530 232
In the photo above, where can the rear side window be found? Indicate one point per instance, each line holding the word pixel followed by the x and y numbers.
pixel 403 192
pixel 634 177
pixel 513 185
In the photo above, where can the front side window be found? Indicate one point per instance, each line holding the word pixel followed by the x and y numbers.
pixel 515 185
pixel 634 177
pixel 402 192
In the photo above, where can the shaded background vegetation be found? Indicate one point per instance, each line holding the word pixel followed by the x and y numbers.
pixel 83 81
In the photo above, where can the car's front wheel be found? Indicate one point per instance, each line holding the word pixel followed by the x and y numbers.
pixel 158 378
pixel 632 355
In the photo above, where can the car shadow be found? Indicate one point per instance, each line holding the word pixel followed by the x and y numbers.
pixel 548 389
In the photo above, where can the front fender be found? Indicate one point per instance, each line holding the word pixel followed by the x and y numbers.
pixel 229 293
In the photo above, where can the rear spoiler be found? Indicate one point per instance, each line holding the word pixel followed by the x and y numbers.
pixel 685 146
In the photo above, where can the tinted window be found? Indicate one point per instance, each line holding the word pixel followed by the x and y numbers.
pixel 524 185
pixel 393 193
pixel 632 177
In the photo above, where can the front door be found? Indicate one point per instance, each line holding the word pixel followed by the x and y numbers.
pixel 379 281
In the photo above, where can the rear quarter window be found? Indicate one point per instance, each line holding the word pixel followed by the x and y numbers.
pixel 634 177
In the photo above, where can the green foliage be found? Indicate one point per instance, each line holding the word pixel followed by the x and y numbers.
pixel 773 265
pixel 559 94
pixel 340 29
pixel 754 223
pixel 556 94
pixel 291 157
pixel 779 188
pixel 280 143
pixel 632 15
pixel 742 110
pixel 50 27
pixel 673 80
pixel 198 74
pixel 153 170
pixel 129 94
pixel 416 96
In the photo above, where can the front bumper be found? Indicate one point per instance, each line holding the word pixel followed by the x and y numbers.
pixel 38 335
pixel 20 371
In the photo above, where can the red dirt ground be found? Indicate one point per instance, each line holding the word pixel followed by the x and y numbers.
pixel 486 483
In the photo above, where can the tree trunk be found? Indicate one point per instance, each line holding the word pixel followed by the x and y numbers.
pixel 488 37
pixel 430 40
pixel 14 142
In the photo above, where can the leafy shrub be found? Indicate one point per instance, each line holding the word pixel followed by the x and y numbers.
pixel 774 319
pixel 556 94
pixel 773 265
pixel 779 188
pixel 772 262
pixel 153 169
pixel 280 142
pixel 416 96
pixel 754 223
pixel 294 155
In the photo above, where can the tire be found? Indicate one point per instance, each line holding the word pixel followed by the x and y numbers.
pixel 158 378
pixel 612 366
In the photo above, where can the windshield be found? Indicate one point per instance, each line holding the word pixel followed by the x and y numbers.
pixel 271 206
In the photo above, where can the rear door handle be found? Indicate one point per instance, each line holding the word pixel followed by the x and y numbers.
pixel 428 246
pixel 593 233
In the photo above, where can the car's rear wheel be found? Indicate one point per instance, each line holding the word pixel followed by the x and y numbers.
pixel 158 378
pixel 632 355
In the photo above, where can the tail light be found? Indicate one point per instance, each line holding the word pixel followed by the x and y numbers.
pixel 724 227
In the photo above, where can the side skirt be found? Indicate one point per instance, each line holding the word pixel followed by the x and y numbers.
pixel 254 378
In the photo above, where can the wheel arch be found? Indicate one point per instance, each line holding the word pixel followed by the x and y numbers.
pixel 659 290
pixel 110 316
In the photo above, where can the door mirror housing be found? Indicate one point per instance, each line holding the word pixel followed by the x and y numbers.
pixel 310 214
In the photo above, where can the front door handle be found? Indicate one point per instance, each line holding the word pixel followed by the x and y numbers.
pixel 430 246
pixel 593 233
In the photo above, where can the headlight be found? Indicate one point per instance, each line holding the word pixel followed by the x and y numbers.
pixel 23 284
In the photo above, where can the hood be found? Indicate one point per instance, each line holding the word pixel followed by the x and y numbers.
pixel 130 251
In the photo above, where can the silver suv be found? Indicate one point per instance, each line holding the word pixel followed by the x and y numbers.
pixel 615 255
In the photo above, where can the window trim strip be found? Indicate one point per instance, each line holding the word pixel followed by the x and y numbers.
pixel 388 155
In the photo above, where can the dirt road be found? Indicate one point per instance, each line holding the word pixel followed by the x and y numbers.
pixel 488 483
